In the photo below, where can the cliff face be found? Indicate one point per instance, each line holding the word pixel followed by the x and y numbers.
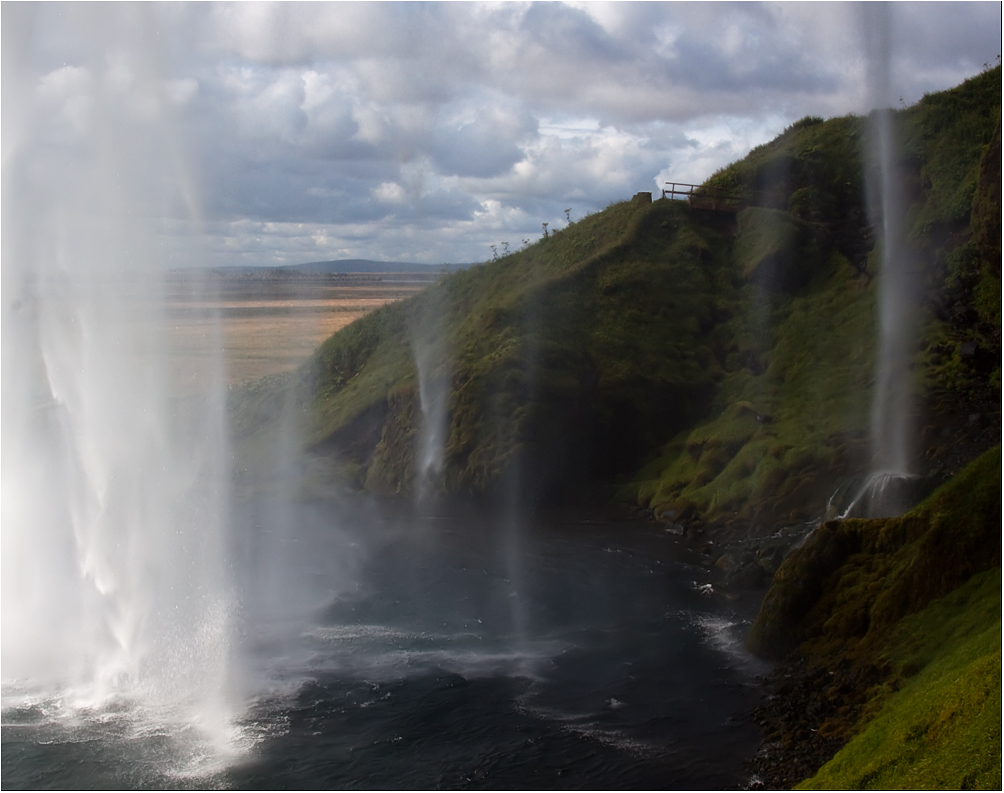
pixel 734 353
pixel 890 629
pixel 719 368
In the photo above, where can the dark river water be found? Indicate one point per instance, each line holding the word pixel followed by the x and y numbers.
pixel 440 652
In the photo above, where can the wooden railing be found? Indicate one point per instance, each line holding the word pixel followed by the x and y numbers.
pixel 719 199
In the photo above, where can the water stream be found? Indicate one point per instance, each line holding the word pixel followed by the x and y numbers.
pixel 378 650
pixel 158 634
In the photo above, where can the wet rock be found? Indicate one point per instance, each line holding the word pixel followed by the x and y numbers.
pixel 728 563
pixel 680 512
pixel 807 716
pixel 748 575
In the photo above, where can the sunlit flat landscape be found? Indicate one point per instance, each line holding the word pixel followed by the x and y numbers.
pixel 267 328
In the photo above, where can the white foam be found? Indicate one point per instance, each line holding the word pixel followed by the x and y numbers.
pixel 348 633
pixel 725 636
pixel 172 740
pixel 584 724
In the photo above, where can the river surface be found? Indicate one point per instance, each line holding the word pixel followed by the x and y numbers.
pixel 450 651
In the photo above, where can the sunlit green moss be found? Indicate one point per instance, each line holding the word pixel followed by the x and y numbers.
pixel 942 729
pixel 852 580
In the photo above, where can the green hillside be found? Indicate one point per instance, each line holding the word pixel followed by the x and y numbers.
pixel 718 369
pixel 817 255
pixel 699 363
pixel 942 728
pixel 896 628
pixel 565 361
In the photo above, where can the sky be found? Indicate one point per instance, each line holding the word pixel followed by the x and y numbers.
pixel 270 134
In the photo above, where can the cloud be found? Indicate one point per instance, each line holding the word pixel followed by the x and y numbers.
pixel 425 131
pixel 487 143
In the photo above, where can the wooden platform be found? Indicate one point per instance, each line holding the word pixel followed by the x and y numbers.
pixel 717 199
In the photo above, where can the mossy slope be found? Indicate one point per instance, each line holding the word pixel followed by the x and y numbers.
pixel 845 588
pixel 909 605
pixel 806 334
pixel 942 729
pixel 734 353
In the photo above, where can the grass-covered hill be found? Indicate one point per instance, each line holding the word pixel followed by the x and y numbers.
pixel 817 253
pixel 712 366
pixel 568 360
pixel 718 369
pixel 892 629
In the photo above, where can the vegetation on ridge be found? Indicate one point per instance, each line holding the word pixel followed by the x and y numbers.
pixel 817 261
pixel 735 353
pixel 891 628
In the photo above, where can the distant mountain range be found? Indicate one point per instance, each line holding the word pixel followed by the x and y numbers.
pixel 370 266
pixel 341 267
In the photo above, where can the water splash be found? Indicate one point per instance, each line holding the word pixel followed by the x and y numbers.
pixel 884 494
pixel 115 490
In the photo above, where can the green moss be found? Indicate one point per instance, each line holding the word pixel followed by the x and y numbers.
pixel 908 610
pixel 800 420
pixel 949 132
pixel 954 137
pixel 848 585
pixel 942 729
pixel 767 247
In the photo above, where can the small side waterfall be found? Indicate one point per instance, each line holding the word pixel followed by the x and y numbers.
pixel 883 494
pixel 885 491
pixel 433 388
pixel 891 429
pixel 432 364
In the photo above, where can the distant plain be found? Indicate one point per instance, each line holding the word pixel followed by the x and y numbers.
pixel 267 327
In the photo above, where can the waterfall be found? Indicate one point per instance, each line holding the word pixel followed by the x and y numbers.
pixel 433 368
pixel 885 491
pixel 115 486
pixel 891 406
